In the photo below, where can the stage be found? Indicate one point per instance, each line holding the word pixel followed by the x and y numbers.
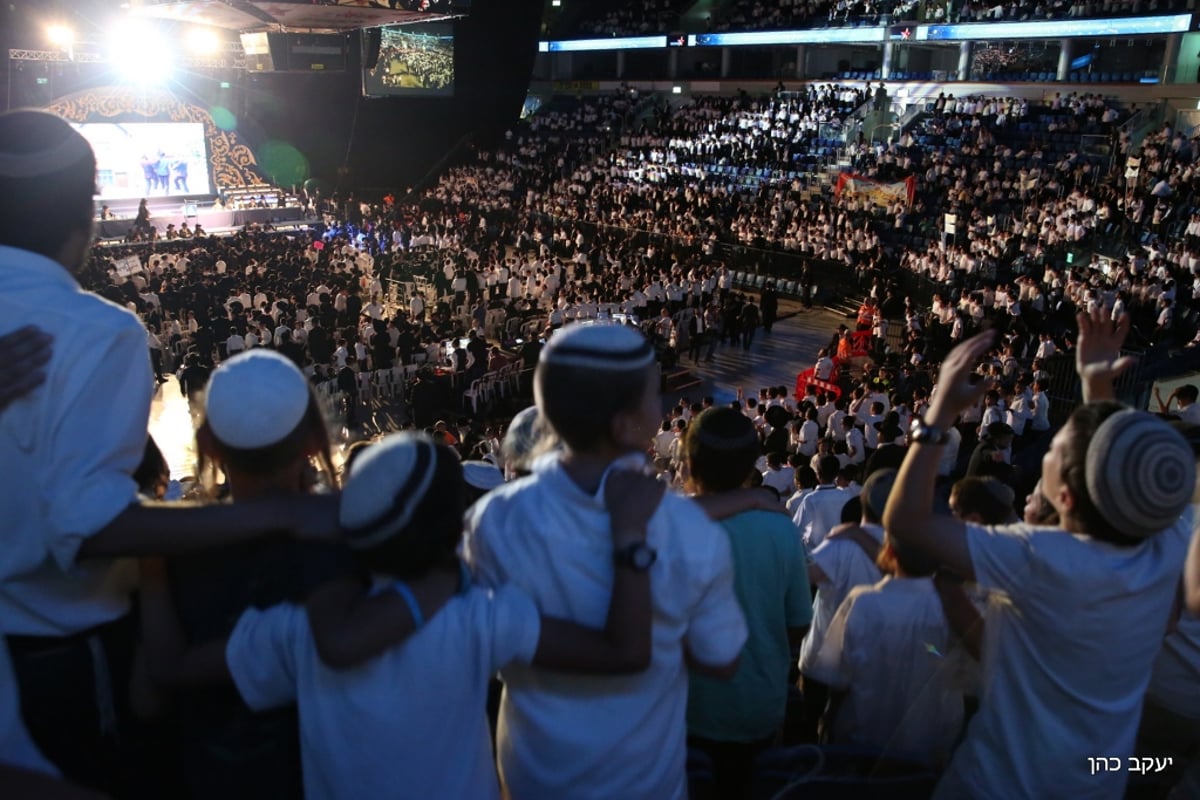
pixel 163 214
pixel 150 144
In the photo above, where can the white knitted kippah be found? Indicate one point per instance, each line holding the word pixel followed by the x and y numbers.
pixel 1141 474
pixel 388 482
pixel 482 475
pixel 614 348
pixel 255 400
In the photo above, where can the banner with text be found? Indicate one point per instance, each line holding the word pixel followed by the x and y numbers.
pixel 128 265
pixel 876 192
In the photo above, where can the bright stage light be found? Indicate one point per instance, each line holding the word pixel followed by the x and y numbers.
pixel 140 52
pixel 60 36
pixel 203 41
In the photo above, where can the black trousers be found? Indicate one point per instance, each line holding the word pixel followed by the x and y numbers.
pixel 75 701
pixel 733 764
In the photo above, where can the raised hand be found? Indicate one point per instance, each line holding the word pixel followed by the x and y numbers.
pixel 955 392
pixel 1098 359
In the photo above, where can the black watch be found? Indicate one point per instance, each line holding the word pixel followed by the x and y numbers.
pixel 920 433
pixel 638 556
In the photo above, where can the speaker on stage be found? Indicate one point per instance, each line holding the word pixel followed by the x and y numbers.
pixel 372 39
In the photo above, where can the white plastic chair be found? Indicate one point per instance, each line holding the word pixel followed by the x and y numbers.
pixel 473 394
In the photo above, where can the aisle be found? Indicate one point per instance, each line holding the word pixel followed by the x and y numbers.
pixel 773 359
pixel 173 429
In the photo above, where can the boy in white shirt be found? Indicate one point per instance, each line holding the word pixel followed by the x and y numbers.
pixel 805 481
pixel 855 444
pixel 1103 583
pixel 896 672
pixel 401 517
pixel 808 434
pixel 821 510
pixel 841 562
pixel 558 736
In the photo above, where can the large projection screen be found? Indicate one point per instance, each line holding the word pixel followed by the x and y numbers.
pixel 148 159
pixel 413 60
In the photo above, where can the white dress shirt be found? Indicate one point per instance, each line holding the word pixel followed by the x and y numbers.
pixel 68 450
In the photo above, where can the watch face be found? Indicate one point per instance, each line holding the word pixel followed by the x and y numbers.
pixel 642 558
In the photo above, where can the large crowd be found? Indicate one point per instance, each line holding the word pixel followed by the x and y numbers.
pixel 862 531
pixel 636 19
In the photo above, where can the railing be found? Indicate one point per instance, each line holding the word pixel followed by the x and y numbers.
pixel 912 114
pixel 854 122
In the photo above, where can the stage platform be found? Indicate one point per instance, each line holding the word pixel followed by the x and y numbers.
pixel 211 218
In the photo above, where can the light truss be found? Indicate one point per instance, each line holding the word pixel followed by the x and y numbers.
pixel 230 57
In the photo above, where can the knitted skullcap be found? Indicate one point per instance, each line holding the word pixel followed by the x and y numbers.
pixel 386 486
pixel 255 400
pixel 1141 473
pixel 611 348
pixel 724 429
pixel 482 475
pixel 876 489
pixel 35 143
pixel 520 439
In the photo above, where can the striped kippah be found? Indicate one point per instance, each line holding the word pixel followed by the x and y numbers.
pixel 1141 474
pixel 613 348
pixel 386 486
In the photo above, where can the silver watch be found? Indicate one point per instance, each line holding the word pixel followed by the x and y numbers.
pixel 920 433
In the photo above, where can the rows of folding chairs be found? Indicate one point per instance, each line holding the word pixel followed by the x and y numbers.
pixel 380 384
pixel 491 386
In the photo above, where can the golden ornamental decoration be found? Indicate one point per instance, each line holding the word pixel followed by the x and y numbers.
pixel 233 164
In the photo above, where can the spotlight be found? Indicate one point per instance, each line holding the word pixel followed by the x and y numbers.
pixel 140 52
pixel 203 41
pixel 60 36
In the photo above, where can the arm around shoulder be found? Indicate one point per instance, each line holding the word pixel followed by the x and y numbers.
pixel 625 645
pixel 717 628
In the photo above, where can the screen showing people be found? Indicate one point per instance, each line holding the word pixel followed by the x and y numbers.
pixel 148 159
pixel 413 59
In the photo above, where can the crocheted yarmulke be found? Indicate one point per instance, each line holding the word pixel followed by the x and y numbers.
pixel 1141 474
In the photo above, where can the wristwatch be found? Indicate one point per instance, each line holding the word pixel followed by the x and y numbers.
pixel 920 433
pixel 638 556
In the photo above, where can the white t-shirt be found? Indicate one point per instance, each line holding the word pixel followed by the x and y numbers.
pixel 781 480
pixel 1189 413
pixel 819 513
pixel 845 565
pixel 854 441
pixel 1067 658
pixel 793 502
pixel 890 645
pixel 810 432
pixel 585 737
pixel 410 721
